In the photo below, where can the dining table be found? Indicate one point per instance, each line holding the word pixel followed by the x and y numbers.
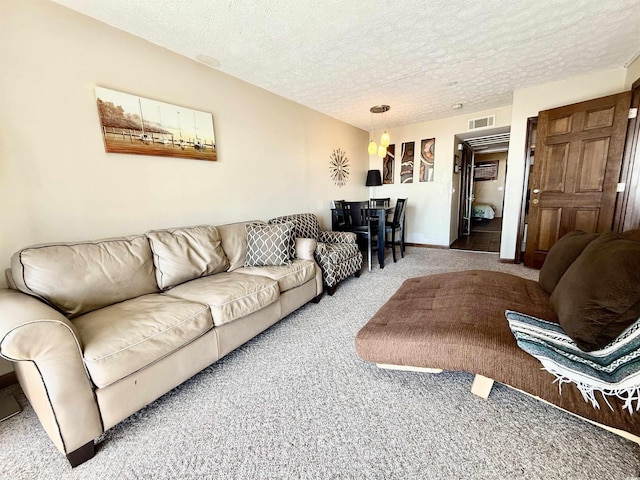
pixel 378 213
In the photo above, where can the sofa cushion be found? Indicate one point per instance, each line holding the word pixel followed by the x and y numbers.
pixel 182 254
pixel 269 244
pixel 234 242
pixel 561 255
pixel 290 276
pixel 230 295
pixel 80 277
pixel 126 337
pixel 599 295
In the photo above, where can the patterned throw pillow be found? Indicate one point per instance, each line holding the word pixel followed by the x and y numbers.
pixel 305 225
pixel 268 244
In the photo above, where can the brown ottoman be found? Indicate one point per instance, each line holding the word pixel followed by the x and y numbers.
pixel 456 321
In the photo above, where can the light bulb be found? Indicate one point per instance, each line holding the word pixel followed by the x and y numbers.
pixel 382 151
pixel 384 140
pixel 372 148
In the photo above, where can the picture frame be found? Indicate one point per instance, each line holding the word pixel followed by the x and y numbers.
pixel 387 165
pixel 406 162
pixel 137 125
pixel 487 170
pixel 427 159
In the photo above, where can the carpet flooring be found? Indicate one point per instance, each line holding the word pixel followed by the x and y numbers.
pixel 297 402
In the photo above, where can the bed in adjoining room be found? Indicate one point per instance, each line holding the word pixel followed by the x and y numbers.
pixel 483 213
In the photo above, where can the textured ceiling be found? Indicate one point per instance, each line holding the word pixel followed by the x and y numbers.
pixel 341 57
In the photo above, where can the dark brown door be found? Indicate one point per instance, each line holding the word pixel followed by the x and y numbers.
pixel 576 170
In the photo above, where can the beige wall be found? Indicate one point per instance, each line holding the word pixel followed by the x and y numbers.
pixel 492 191
pixel 58 184
pixel 527 102
pixel 432 212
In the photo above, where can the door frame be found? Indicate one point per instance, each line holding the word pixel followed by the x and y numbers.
pixel 627 209
pixel 531 123
pixel 466 190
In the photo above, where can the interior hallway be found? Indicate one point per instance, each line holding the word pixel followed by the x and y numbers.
pixel 483 238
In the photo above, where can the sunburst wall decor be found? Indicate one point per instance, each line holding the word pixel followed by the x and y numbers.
pixel 339 167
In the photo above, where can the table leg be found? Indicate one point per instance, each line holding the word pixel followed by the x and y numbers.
pixel 381 227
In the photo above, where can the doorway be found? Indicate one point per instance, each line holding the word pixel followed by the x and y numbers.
pixel 574 182
pixel 483 169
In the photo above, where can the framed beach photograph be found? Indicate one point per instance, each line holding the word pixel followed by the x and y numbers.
pixel 138 125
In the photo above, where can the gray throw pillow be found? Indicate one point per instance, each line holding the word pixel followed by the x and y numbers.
pixel 269 244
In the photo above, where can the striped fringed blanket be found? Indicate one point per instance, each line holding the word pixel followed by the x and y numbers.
pixel 613 371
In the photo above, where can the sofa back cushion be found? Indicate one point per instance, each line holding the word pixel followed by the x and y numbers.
pixel 599 295
pixel 560 257
pixel 182 254
pixel 234 242
pixel 81 277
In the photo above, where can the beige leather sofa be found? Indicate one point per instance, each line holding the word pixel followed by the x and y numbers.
pixel 97 330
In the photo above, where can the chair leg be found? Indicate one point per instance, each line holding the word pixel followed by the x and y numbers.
pixel 369 248
pixel 331 290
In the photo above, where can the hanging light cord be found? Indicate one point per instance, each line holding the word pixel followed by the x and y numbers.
pixel 373 148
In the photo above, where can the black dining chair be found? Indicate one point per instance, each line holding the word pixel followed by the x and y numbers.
pixel 380 202
pixel 396 226
pixel 360 222
pixel 338 216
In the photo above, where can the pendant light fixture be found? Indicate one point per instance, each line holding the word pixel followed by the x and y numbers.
pixel 381 149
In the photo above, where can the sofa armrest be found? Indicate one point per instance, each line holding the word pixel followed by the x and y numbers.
pixel 337 237
pixel 305 248
pixel 49 365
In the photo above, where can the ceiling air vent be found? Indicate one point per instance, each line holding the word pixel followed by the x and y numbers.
pixel 483 122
